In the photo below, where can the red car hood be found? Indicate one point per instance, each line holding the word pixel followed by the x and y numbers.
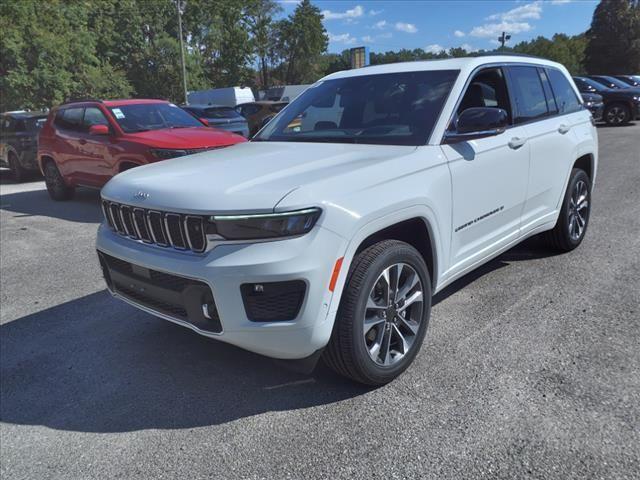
pixel 192 137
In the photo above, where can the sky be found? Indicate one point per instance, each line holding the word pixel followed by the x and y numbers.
pixel 436 25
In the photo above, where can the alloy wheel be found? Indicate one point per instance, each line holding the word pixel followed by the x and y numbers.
pixel 578 210
pixel 616 115
pixel 393 314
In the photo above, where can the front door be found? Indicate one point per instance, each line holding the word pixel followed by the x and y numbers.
pixel 96 167
pixel 489 178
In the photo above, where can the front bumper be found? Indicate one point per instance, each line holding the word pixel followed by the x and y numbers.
pixel 227 267
pixel 596 110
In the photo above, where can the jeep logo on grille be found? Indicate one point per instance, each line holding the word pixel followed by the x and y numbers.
pixel 140 195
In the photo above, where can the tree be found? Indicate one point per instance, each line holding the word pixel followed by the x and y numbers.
pixel 561 48
pixel 156 70
pixel 614 38
pixel 47 54
pixel 301 41
pixel 262 28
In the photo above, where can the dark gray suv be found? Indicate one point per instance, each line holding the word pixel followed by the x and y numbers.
pixel 19 142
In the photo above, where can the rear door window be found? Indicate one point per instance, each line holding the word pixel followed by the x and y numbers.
pixel 528 94
pixel 566 97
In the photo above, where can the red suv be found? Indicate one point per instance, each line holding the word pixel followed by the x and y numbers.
pixel 86 143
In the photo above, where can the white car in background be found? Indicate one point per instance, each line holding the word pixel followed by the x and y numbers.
pixel 329 238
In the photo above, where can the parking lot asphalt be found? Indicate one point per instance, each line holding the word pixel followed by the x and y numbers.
pixel 530 368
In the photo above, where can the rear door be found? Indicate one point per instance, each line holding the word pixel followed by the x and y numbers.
pixel 489 177
pixel 548 123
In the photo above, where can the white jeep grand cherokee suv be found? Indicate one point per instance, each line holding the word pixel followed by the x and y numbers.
pixel 328 234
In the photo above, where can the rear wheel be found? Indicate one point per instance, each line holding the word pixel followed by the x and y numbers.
pixel 383 314
pixel 56 186
pixel 574 215
pixel 617 114
pixel 19 173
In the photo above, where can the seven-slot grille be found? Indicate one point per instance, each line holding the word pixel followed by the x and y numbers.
pixel 184 232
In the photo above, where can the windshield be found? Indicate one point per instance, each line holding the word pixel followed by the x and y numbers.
pixel 388 109
pixel 141 117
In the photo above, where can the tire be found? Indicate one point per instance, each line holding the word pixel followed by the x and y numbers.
pixel 573 220
pixel 19 173
pixel 617 114
pixel 56 186
pixel 357 352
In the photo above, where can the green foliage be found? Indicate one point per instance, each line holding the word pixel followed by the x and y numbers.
pixel 301 41
pixel 264 36
pixel 614 38
pixel 47 54
pixel 561 48
pixel 56 49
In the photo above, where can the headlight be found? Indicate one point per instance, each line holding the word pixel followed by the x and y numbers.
pixel 167 153
pixel 264 226
pixel 636 98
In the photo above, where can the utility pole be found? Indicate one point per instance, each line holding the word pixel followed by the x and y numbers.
pixel 503 39
pixel 181 4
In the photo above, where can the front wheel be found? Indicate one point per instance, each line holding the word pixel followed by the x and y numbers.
pixel 617 114
pixel 574 216
pixel 383 314
pixel 56 186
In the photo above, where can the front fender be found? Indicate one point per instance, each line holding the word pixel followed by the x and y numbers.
pixel 422 211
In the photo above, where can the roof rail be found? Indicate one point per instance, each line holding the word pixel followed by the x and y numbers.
pixel 81 99
pixel 507 54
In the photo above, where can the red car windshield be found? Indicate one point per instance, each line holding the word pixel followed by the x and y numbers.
pixel 142 117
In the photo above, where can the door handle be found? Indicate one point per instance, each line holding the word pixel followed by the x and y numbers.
pixel 517 142
pixel 563 128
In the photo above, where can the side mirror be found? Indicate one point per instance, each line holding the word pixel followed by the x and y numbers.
pixel 478 122
pixel 205 122
pixel 98 130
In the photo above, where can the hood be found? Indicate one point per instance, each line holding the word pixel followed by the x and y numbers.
pixel 249 177
pixel 192 137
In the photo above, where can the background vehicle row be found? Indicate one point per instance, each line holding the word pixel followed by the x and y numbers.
pixel 621 105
